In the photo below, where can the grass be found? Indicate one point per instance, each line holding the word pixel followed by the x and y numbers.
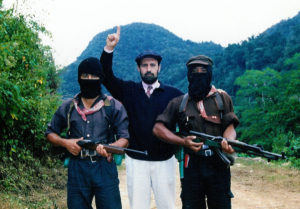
pixel 33 186
pixel 45 186
pixel 259 170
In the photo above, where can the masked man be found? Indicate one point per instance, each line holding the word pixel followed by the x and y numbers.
pixel 204 109
pixel 85 117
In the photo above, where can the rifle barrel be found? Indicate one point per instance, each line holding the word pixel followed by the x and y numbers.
pixel 250 149
pixel 122 149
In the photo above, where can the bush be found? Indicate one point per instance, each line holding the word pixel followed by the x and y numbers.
pixel 28 82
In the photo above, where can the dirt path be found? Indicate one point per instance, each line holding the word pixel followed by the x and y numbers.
pixel 262 186
pixel 255 186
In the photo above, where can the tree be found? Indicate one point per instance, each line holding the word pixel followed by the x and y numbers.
pixel 28 83
pixel 268 104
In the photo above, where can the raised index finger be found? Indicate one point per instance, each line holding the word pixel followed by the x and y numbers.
pixel 118 30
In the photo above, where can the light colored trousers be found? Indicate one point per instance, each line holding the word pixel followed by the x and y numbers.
pixel 144 175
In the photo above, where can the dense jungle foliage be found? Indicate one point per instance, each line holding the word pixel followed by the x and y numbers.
pixel 28 83
pixel 261 74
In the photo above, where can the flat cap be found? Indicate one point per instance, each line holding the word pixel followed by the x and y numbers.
pixel 148 54
pixel 200 59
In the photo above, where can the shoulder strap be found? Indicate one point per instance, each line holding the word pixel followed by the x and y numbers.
pixel 108 109
pixel 219 103
pixel 183 103
pixel 108 116
pixel 71 107
pixel 183 122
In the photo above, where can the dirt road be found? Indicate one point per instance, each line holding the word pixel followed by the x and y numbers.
pixel 255 184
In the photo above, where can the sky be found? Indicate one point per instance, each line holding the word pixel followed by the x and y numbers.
pixel 73 23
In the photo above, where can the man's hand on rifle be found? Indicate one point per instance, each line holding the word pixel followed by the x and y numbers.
pixel 229 133
pixel 72 146
pixel 112 40
pixel 101 150
pixel 226 147
pixel 189 143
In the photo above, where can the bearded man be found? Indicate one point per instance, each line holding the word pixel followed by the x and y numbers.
pixel 144 101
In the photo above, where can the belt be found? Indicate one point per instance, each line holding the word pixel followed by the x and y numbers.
pixel 90 158
pixel 86 154
pixel 206 153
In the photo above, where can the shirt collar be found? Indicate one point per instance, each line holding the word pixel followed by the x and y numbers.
pixel 80 104
pixel 154 85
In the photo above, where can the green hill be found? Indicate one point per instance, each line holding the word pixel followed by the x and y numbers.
pixel 135 38
pixel 269 49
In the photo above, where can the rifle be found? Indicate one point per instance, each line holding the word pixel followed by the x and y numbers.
pixel 92 145
pixel 238 146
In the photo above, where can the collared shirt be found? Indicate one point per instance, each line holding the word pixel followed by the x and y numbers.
pixel 96 124
pixel 197 122
pixel 142 112
pixel 154 85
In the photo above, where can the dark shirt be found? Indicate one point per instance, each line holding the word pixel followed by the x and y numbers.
pixel 171 116
pixel 142 111
pixel 96 125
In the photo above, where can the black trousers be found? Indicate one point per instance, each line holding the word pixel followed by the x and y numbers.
pixel 206 183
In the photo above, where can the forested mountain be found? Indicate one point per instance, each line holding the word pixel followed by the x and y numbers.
pixel 269 49
pixel 135 38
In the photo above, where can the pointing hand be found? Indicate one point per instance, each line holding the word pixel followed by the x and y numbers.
pixel 112 40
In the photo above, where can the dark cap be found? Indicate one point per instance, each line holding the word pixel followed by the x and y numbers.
pixel 148 54
pixel 200 59
pixel 91 65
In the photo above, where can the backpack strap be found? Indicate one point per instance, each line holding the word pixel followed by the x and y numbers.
pixel 108 109
pixel 219 103
pixel 183 103
pixel 109 117
pixel 183 120
pixel 71 108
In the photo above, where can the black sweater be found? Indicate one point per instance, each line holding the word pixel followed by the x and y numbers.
pixel 142 111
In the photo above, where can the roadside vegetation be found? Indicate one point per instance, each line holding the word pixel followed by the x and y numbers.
pixel 267 103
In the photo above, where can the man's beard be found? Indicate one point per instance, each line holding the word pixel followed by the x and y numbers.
pixel 149 78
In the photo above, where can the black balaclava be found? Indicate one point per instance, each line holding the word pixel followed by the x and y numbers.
pixel 90 88
pixel 199 83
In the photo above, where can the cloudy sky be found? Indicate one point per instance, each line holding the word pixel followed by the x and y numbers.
pixel 73 23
